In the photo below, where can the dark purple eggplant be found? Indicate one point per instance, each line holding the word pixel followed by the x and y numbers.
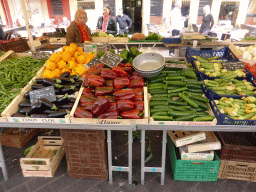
pixel 26 111
pixel 24 104
pixel 71 100
pixel 77 84
pixel 65 74
pixel 66 106
pixel 75 77
pixel 57 91
pixel 48 111
pixel 39 115
pixel 45 81
pixel 26 95
pixel 18 115
pixel 38 108
pixel 68 90
pixel 65 81
pixel 58 86
pixel 58 114
pixel 62 100
pixel 47 103
pixel 37 86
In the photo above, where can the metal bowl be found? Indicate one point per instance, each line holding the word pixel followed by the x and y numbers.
pixel 149 64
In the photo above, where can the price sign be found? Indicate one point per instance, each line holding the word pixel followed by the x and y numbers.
pixel 110 59
pixel 40 55
pixel 232 66
pixel 93 62
pixel 47 93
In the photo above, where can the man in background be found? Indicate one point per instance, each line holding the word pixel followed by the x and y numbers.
pixel 125 23
pixel 2 35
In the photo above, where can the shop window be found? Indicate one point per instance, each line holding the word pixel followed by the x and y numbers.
pixel 57 7
pixel 86 4
pixel 229 11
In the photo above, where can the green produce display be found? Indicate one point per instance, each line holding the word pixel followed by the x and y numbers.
pixel 129 55
pixel 178 97
pixel 242 109
pixel 15 73
pixel 2 53
pixel 154 37
pixel 232 87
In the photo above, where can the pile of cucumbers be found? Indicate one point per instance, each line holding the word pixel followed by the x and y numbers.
pixel 177 96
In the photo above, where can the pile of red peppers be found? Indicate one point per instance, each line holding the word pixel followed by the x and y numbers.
pixel 112 93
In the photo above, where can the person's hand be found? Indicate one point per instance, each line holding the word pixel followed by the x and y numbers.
pixel 126 27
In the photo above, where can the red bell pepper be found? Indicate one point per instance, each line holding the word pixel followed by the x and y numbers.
pixel 82 113
pixel 137 83
pixel 121 82
pixel 95 80
pixel 111 98
pixel 139 105
pixel 123 92
pixel 124 105
pixel 132 114
pixel 87 105
pixel 127 69
pixel 100 106
pixel 109 115
pixel 128 65
pixel 98 66
pixel 112 107
pixel 138 98
pixel 87 98
pixel 86 82
pixel 138 91
pixel 127 97
pixel 108 74
pixel 119 71
pixel 137 76
pixel 88 91
pixel 103 90
pixel 110 83
pixel 92 71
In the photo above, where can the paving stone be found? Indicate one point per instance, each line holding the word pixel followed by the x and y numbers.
pixel 21 188
pixel 82 185
pixel 11 172
pixel 182 186
pixel 94 189
pixel 250 187
pixel 62 182
pixel 15 181
pixel 45 188
pixel 2 189
pixel 214 186
pixel 36 182
pixel 234 186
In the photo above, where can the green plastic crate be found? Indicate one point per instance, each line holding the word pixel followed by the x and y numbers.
pixel 190 170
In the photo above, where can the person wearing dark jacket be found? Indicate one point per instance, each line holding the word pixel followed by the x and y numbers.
pixel 208 21
pixel 125 23
pixel 2 35
pixel 78 32
pixel 107 23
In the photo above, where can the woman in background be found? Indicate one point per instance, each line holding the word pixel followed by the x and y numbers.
pixel 107 23
pixel 78 32
pixel 207 21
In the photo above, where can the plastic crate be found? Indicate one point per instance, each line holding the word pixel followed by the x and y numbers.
pixel 224 54
pixel 223 119
pixel 192 170
pixel 237 170
pixel 215 95
pixel 172 40
pixel 238 146
pixel 86 154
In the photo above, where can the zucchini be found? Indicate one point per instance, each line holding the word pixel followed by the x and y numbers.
pixel 189 117
pixel 158 91
pixel 204 118
pixel 159 99
pixel 189 101
pixel 154 103
pixel 203 99
pixel 176 83
pixel 160 113
pixel 162 118
pixel 180 113
pixel 195 83
pixel 158 110
pixel 177 90
pixel 176 102
pixel 195 90
pixel 179 108
pixel 175 78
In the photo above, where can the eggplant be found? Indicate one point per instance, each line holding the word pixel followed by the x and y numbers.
pixel 39 115
pixel 47 104
pixel 37 108
pixel 24 104
pixel 77 84
pixel 26 111
pixel 62 100
pixel 57 91
pixel 58 114
pixel 65 81
pixel 68 90
pixel 66 106
pixel 71 100
pixel 26 95
pixel 48 111
pixel 75 77
pixel 65 74
pixel 37 86
pixel 45 81
pixel 18 115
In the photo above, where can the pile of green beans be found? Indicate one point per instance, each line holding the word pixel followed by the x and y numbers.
pixel 1 53
pixel 15 73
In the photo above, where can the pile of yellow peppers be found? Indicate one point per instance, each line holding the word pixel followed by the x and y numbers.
pixel 71 59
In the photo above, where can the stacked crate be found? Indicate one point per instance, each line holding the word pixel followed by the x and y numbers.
pixel 238 156
pixel 192 156
pixel 85 153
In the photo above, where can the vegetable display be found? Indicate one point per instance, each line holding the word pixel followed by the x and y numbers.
pixel 111 93
pixel 177 96
pixel 15 73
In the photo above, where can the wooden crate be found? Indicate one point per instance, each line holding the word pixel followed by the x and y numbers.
pixel 210 143
pixel 7 55
pixel 41 160
pixel 118 39
pixel 236 52
pixel 144 120
pixel 17 140
pixel 100 39
pixel 61 40
pixel 204 155
pixel 181 138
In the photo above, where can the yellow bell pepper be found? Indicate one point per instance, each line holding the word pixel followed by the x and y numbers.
pixel 46 74
pixel 73 46
pixel 71 65
pixel 64 48
pixel 80 50
pixel 81 59
pixel 50 65
pixel 76 54
pixel 66 56
pixel 61 64
pixel 53 57
pixel 73 59
pixel 65 70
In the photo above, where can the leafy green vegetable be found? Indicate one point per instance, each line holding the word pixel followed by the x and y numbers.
pixel 100 54
pixel 154 37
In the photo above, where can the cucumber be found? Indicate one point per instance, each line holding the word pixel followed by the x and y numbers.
pixel 162 118
pixel 160 113
pixel 177 90
pixel 189 101
pixel 159 99
pixel 175 78
pixel 204 118
pixel 171 102
pixel 176 83
pixel 158 91
pixel 186 118
pixel 158 110
pixel 180 113
pixel 154 103
pixel 179 108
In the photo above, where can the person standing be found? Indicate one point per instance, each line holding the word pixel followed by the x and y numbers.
pixel 208 21
pixel 2 35
pixel 125 23
pixel 107 23
pixel 78 32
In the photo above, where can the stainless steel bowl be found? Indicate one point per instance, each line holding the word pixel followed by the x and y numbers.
pixel 149 64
